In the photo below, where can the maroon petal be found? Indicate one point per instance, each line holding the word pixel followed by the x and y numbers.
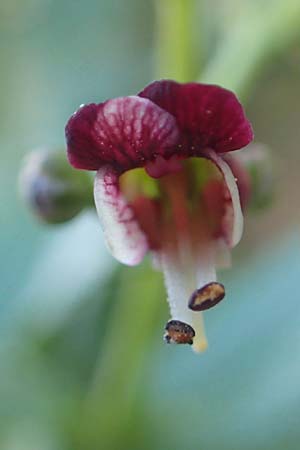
pixel 207 115
pixel 125 133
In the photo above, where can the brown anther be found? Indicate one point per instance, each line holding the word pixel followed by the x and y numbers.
pixel 178 333
pixel 207 296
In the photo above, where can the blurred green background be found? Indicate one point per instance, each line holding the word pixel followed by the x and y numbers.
pixel 83 365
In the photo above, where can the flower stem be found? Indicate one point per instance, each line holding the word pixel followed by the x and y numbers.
pixel 175 42
pixel 251 42
pixel 109 405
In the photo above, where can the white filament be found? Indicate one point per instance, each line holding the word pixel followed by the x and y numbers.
pixel 183 273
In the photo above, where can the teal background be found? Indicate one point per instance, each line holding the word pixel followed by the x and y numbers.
pixel 81 366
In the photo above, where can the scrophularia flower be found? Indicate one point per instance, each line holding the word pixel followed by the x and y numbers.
pixel 165 183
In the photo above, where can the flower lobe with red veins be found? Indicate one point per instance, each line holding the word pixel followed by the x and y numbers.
pixel 207 115
pixel 125 133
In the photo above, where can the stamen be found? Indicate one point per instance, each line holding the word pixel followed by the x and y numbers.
pixel 207 296
pixel 178 332
pixel 188 261
pixel 180 282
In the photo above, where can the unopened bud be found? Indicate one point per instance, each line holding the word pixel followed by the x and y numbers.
pixel 256 160
pixel 52 188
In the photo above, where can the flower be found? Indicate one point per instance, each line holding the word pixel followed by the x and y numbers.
pixel 50 187
pixel 165 183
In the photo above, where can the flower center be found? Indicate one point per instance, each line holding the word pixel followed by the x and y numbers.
pixel 185 201
pixel 181 214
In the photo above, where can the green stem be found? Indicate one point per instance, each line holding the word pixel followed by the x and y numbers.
pixel 110 401
pixel 175 43
pixel 109 405
pixel 251 43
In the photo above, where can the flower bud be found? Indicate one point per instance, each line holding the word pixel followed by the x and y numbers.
pixel 53 190
pixel 256 160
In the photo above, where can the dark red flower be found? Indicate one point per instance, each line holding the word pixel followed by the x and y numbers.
pixel 183 203
pixel 167 118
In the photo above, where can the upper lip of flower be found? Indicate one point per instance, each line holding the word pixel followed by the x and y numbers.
pixel 166 118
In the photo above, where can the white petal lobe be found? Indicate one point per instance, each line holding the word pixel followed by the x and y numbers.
pixel 124 238
pixel 233 219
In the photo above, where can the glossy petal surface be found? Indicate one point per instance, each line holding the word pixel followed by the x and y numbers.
pixel 207 115
pixel 125 133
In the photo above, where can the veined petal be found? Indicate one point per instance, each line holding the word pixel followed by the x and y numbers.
pixel 124 238
pixel 232 221
pixel 125 132
pixel 207 115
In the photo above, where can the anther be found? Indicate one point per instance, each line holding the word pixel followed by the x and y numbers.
pixel 177 332
pixel 207 296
